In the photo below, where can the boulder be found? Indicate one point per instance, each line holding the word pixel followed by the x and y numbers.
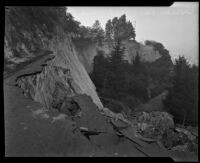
pixel 186 132
pixel 180 148
pixel 154 124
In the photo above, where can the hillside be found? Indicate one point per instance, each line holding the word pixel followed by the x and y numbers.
pixel 155 104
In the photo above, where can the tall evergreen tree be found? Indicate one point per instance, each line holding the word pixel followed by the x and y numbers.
pixel 181 100
pixel 119 28
pixel 108 30
pixel 100 70
pixel 116 81
pixel 139 78
pixel 130 31
pixel 97 32
pixel 117 57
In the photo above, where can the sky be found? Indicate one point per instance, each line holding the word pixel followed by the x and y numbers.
pixel 176 27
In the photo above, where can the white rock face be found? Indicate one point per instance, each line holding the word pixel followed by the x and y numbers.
pixel 66 57
pixel 63 76
pixel 148 54
pixel 87 54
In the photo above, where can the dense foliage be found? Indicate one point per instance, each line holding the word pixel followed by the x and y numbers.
pixel 50 17
pixel 158 46
pixel 29 25
pixel 108 73
pixel 161 70
pixel 97 32
pixel 94 33
pixel 182 100
pixel 119 28
pixel 116 79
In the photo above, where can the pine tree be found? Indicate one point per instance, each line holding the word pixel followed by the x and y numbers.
pixel 119 28
pixel 108 30
pixel 139 78
pixel 116 64
pixel 130 31
pixel 99 73
pixel 181 100
pixel 97 32
pixel 117 57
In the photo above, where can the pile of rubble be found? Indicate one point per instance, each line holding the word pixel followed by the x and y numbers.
pixel 160 127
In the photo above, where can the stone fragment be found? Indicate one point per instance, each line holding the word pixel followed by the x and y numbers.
pixel 154 124
pixel 59 117
pixel 180 148
pixel 186 132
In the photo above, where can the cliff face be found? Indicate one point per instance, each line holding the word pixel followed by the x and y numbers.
pixel 24 43
pixel 87 50
pixel 63 76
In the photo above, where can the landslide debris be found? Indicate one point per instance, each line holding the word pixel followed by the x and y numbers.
pixel 159 126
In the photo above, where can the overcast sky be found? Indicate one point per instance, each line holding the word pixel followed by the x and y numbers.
pixel 176 27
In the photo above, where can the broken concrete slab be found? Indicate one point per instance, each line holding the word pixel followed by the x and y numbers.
pixel 92 120
pixel 90 117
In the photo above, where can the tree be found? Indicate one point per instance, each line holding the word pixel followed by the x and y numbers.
pixel 117 57
pixel 130 31
pixel 108 30
pixel 119 28
pixel 158 46
pixel 85 32
pixel 126 29
pixel 100 71
pixel 181 100
pixel 97 32
pixel 70 25
pixel 139 78
pixel 122 28
pixel 116 64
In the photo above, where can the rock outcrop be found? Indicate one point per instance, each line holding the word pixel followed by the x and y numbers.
pixel 87 50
